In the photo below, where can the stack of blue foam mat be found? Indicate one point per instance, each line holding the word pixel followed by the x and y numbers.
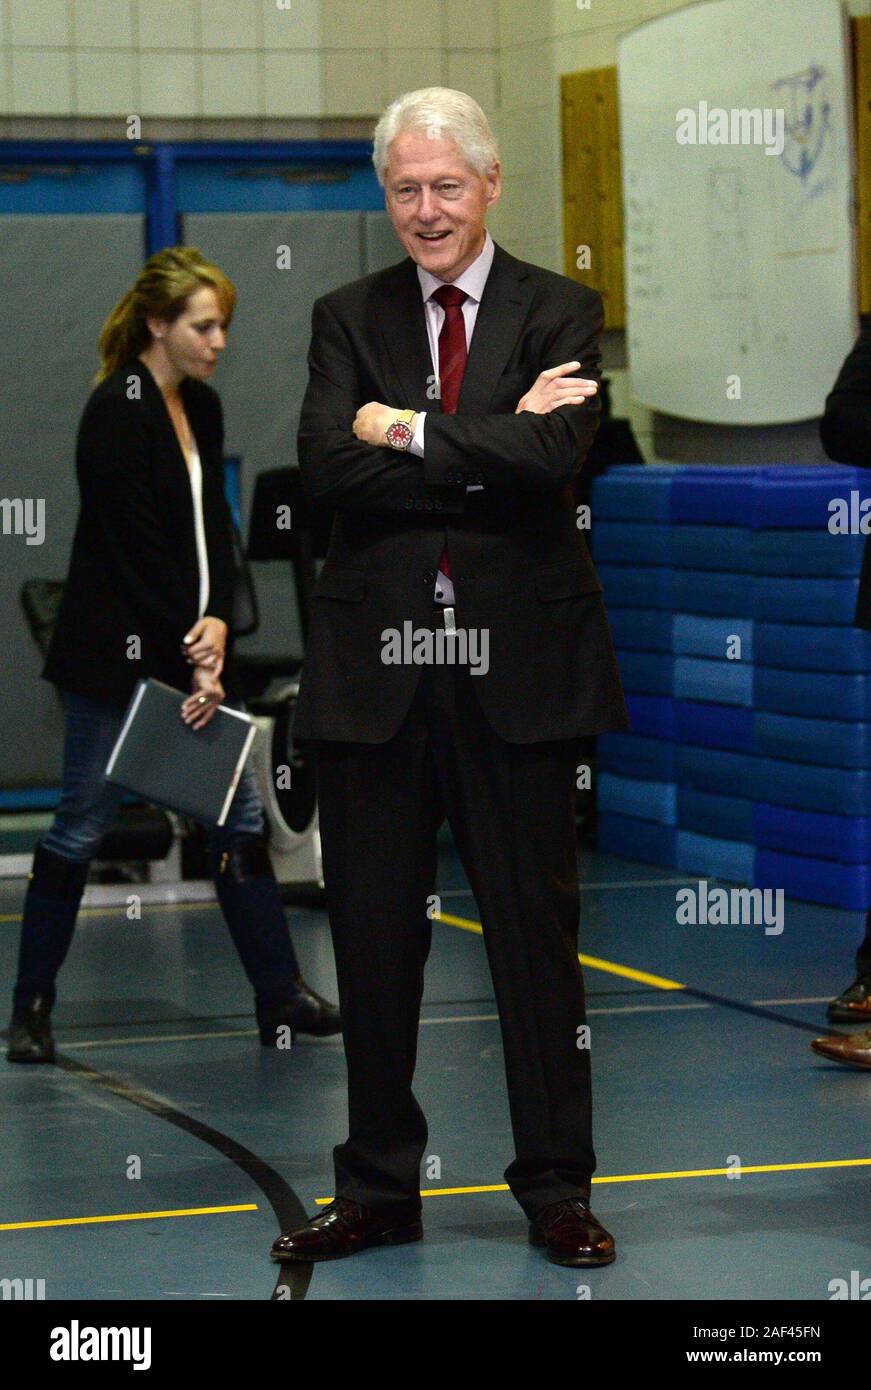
pixel 731 605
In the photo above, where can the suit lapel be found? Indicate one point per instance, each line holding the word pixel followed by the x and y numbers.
pixel 501 314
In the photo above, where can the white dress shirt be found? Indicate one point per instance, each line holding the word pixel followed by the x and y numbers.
pixel 196 476
pixel 472 281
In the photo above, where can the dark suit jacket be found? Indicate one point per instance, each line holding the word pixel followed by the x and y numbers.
pixel 845 430
pixel 520 565
pixel 133 568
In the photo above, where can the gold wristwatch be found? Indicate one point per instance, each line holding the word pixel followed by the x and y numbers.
pixel 400 432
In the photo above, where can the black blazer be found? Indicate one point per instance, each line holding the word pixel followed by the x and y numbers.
pixel 845 430
pixel 133 569
pixel 520 565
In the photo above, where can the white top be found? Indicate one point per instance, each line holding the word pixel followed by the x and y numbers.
pixel 472 280
pixel 195 470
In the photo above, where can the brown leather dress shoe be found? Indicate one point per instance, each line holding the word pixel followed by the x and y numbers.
pixel 571 1235
pixel 854 1005
pixel 854 1050
pixel 343 1228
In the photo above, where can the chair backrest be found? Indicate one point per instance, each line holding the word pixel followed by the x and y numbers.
pixel 40 599
pixel 285 526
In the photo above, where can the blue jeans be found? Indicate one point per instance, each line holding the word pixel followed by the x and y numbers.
pixel 251 905
pixel 88 804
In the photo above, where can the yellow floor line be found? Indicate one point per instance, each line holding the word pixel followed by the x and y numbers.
pixel 465 923
pixel 655 1177
pixel 610 967
pixel 125 1216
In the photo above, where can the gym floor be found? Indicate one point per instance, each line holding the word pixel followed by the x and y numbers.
pixel 161 1156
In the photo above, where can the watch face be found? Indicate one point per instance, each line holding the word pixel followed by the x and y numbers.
pixel 399 435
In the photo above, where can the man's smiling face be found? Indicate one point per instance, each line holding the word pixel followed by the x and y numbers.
pixel 437 202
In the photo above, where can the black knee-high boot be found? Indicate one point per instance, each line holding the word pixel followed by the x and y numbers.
pixel 252 907
pixel 47 925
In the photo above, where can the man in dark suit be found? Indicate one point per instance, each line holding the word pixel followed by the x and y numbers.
pixel 845 430
pixel 449 460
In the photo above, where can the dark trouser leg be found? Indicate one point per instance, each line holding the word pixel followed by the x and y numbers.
pixel 511 809
pixel 379 816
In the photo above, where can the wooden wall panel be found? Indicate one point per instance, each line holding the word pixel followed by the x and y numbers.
pixel 592 193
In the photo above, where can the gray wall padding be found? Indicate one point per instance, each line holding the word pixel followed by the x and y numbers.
pixel 60 277
pixel 263 374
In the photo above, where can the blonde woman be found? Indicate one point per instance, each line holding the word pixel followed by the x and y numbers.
pixel 152 560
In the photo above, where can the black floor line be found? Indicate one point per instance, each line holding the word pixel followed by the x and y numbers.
pixel 758 1011
pixel 288 1209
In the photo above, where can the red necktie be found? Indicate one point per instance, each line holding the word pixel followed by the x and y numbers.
pixel 452 363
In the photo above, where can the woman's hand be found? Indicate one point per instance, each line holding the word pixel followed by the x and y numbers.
pixel 550 390
pixel 206 643
pixel 200 706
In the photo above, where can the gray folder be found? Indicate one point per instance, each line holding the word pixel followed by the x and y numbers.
pixel 192 771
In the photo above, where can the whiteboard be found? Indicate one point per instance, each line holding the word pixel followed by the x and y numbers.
pixel 740 264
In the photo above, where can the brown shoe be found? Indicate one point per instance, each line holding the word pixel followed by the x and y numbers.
pixel 854 1005
pixel 571 1235
pixel 854 1050
pixel 344 1228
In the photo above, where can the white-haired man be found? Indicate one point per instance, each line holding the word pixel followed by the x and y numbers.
pixel 444 423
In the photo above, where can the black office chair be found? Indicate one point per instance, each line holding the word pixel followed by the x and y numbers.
pixel 269 683
pixel 140 833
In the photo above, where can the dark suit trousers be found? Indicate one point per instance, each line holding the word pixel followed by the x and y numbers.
pixel 511 810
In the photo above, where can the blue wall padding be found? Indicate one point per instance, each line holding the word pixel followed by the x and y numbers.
pixel 713 813
pixel 769 751
pixel 652 715
pixel 836 694
pixel 845 838
pixel 643 587
pixel 631 796
pixel 806 553
pixel 712 591
pixel 816 880
pixel 633 542
pixel 719 495
pixel 631 838
pixel 724 682
pixel 840 790
pixel 716 770
pixel 631 755
pixel 703 854
pixel 826 649
pixel 712 548
pixel 820 601
pixel 831 742
pixel 642 629
pixel 635 492
pixel 694 635
pixel 714 726
pixel 795 496
pixel 646 673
